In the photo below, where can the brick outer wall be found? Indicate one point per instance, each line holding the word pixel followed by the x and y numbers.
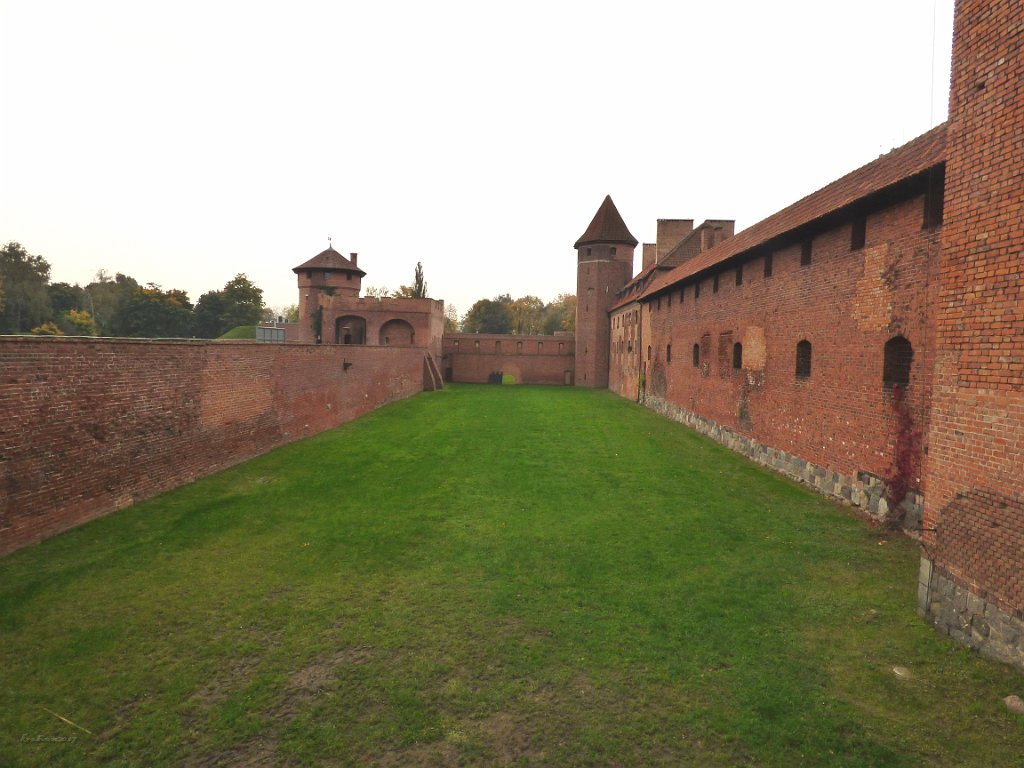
pixel 974 515
pixel 91 426
pixel 599 275
pixel 471 358
pixel 835 429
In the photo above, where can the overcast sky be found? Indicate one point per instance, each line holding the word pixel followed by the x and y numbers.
pixel 184 142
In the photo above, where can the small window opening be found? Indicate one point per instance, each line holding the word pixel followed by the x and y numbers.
pixel 670 301
pixel 934 198
pixel 858 233
pixel 767 265
pixel 739 274
pixel 696 290
pixel 648 351
pixel 899 354
pixel 737 356
pixel 803 359
pixel 668 353
pixel 612 250
pixel 805 253
pixel 696 355
pixel 714 285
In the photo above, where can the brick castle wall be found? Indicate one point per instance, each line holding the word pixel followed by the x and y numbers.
pixel 847 303
pixel 973 569
pixel 89 426
pixel 599 275
pixel 471 358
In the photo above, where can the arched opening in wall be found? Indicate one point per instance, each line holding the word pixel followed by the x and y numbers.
pixel 803 359
pixel 396 333
pixel 899 355
pixel 648 351
pixel 737 356
pixel 696 355
pixel 668 353
pixel 350 329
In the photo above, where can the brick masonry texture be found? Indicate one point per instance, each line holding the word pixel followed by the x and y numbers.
pixel 89 426
pixel 846 303
pixel 974 511
pixel 472 358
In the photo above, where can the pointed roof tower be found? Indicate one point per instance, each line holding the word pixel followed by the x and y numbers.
pixel 607 227
pixel 330 260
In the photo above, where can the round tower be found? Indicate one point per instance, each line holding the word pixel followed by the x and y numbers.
pixel 325 275
pixel 604 266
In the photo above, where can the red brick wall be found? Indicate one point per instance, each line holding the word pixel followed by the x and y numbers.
pixel 975 468
pixel 473 357
pixel 846 303
pixel 599 276
pixel 90 426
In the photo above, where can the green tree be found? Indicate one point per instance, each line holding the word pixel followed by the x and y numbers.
pixel 209 315
pixel 243 302
pixel 560 314
pixel 239 302
pixel 291 313
pixel 152 312
pixel 106 298
pixel 488 316
pixel 527 314
pixel 65 297
pixel 25 278
pixel 76 322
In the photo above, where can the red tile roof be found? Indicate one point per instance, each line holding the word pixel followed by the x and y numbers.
pixel 917 156
pixel 330 260
pixel 607 227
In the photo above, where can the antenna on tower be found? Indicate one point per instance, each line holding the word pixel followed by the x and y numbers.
pixel 329 242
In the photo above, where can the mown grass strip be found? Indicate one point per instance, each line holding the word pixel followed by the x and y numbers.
pixel 488 575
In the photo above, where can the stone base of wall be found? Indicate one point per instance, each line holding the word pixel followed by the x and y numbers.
pixel 968 618
pixel 865 491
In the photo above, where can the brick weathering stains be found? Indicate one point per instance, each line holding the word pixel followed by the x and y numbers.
pixel 869 338
pixel 94 425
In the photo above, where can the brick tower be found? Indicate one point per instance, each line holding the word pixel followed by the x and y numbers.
pixel 972 575
pixel 604 265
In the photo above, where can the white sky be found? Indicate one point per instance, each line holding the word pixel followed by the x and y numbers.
pixel 184 142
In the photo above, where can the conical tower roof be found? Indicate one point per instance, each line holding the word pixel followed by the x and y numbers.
pixel 330 260
pixel 607 227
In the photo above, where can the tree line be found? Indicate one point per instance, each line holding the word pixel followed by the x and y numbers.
pixel 116 306
pixel 525 315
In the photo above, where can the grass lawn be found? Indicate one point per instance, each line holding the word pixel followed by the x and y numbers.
pixel 488 576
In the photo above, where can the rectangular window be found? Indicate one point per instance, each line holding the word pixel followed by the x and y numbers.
pixel 805 253
pixel 668 354
pixel 767 265
pixel 858 233
pixel 933 198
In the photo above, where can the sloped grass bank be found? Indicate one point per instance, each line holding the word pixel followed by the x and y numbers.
pixel 488 576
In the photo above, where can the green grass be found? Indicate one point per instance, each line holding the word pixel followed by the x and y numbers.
pixel 486 576
pixel 240 332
